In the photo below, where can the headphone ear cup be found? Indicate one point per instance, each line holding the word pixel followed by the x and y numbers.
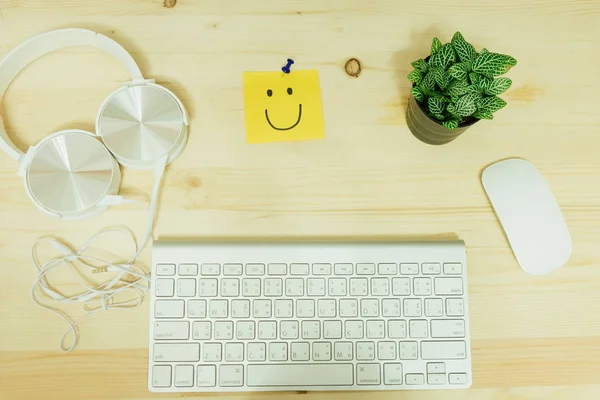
pixel 141 124
pixel 70 173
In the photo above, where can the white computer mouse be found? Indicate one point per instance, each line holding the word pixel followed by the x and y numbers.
pixel 529 214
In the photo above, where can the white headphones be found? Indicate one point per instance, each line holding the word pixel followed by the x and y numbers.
pixel 71 173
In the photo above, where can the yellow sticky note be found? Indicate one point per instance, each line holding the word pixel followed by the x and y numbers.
pixel 283 107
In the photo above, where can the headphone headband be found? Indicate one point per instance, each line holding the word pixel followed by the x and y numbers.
pixel 19 57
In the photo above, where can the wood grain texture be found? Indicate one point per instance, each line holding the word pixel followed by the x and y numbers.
pixel 533 337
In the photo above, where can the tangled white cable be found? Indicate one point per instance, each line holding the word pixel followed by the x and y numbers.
pixel 103 296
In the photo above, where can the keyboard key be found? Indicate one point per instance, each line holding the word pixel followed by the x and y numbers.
pixel 448 286
pixel 175 352
pixel 278 351
pixel 164 287
pixel 343 351
pixel 453 268
pixel 431 268
pixel 186 287
pixel 369 307
pixel 294 375
pixel 305 308
pixel 230 287
pixel 223 330
pixel 273 287
pixel 457 379
pixel 326 308
pixel 168 308
pixel 450 350
pixel 436 368
pixel 448 328
pixel 257 351
pixel 261 308
pixel 368 374
pixel 365 350
pixel 211 352
pixel 289 329
pixel 277 269
pixel 422 286
pixel 299 269
pixel 188 270
pixel 434 308
pixel 210 269
pixel 170 330
pixel 390 307
pixel 354 329
pixel 337 286
pixel 161 376
pixel 300 351
pixel 392 373
pixel 387 269
pixel 267 330
pixel 217 308
pixel 380 286
pixel 232 269
pixel 375 329
pixel 436 379
pixel 321 269
pixel 396 329
pixel 294 287
pixel 412 308
pixel 409 269
pixel 311 330
pixel 231 375
pixel 359 286
pixel 234 351
pixel 184 375
pixel 386 351
pixel 408 350
pixel 196 309
pixel 165 270
pixel 284 308
pixel 365 269
pixel 455 307
pixel 201 330
pixel 415 379
pixel 315 287
pixel 401 286
pixel 251 287
pixel 207 287
pixel 344 269
pixel 206 375
pixel 332 329
pixel 240 308
pixel 417 328
pixel 321 351
pixel 255 269
pixel 348 308
pixel 245 330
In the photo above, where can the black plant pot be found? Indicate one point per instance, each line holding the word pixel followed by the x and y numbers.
pixel 429 130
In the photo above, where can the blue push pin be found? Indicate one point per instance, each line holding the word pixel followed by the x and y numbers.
pixel 286 68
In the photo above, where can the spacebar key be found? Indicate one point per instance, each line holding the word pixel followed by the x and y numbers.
pixel 299 375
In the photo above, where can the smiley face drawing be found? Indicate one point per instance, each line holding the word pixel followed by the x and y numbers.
pixel 283 107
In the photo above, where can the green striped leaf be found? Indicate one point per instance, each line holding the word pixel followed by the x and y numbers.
pixel 484 50
pixel 440 76
pixel 490 105
pixel 451 124
pixel 439 117
pixel 435 45
pixel 451 108
pixel 420 65
pixel 457 88
pixel 458 71
pixel 436 106
pixel 428 82
pixel 474 78
pixel 415 76
pixel 493 64
pixel 466 105
pixel 479 114
pixel 464 50
pixel 417 94
pixel 498 86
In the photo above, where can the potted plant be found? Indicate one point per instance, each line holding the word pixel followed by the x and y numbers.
pixel 453 88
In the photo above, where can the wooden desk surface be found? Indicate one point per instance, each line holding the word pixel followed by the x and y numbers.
pixel 532 337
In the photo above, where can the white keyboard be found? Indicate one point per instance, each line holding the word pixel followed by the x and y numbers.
pixel 236 317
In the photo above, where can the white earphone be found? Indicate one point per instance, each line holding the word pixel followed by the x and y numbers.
pixel 72 174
